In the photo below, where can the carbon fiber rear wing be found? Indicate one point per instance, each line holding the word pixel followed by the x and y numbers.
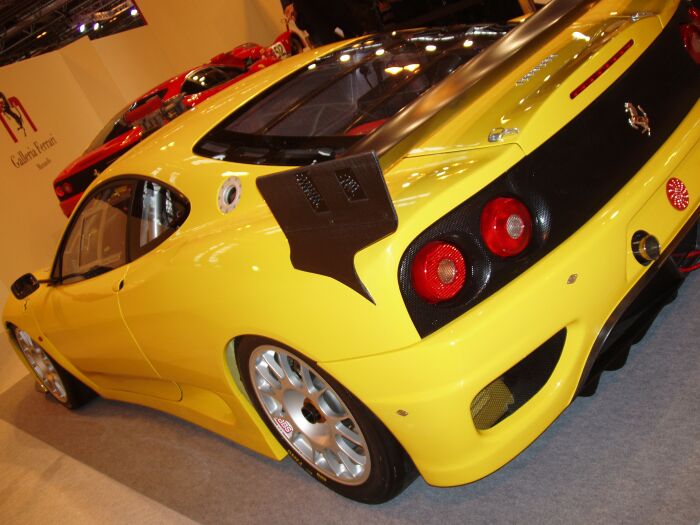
pixel 329 212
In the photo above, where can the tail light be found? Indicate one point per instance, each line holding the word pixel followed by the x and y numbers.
pixel 59 191
pixel 67 188
pixel 438 272
pixel 506 226
pixel 690 33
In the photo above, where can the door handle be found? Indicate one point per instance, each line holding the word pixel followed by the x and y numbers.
pixel 118 286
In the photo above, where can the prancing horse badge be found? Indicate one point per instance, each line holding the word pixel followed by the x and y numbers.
pixel 638 118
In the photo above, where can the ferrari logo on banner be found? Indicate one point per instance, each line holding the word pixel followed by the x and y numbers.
pixel 21 129
pixel 14 117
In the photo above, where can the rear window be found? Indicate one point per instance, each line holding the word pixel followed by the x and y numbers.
pixel 322 110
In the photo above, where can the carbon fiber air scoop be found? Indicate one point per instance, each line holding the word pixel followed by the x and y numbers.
pixel 329 212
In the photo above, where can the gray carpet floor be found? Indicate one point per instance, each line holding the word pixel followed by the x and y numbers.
pixel 629 454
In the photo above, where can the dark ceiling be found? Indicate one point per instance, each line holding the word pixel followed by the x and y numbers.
pixel 32 27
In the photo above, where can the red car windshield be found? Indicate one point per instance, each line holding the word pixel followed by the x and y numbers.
pixel 117 125
pixel 114 127
pixel 208 77
pixel 326 107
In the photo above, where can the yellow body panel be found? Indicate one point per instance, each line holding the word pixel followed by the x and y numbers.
pixel 435 380
pixel 224 276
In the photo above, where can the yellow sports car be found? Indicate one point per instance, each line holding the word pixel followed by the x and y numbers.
pixel 486 218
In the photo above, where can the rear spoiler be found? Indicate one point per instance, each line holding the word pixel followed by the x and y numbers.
pixel 332 210
pixel 329 212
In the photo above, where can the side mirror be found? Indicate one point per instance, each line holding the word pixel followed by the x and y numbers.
pixel 25 286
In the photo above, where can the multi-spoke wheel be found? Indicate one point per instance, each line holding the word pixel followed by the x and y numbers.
pixel 309 414
pixel 321 424
pixel 55 379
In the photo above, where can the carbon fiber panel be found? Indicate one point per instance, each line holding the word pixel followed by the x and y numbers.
pixel 568 179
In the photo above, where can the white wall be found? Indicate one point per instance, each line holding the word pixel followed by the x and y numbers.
pixel 66 115
pixel 192 32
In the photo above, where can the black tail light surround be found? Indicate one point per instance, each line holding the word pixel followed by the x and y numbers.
pixel 567 180
pixel 485 270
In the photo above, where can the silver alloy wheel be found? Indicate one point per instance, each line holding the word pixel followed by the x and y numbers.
pixel 309 414
pixel 42 365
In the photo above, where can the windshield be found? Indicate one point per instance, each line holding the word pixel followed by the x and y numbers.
pixel 117 125
pixel 207 78
pixel 114 127
pixel 323 109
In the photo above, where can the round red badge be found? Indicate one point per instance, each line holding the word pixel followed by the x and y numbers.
pixel 677 194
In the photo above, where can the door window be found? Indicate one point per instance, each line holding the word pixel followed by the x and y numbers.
pixel 157 213
pixel 96 242
pixel 116 224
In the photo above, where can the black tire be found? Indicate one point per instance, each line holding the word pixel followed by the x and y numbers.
pixel 64 387
pixel 390 469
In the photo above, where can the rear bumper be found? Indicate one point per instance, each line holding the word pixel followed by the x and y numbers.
pixel 423 393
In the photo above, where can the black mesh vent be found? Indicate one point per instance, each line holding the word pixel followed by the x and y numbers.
pixel 567 180
pixel 518 385
pixel 311 193
pixel 350 186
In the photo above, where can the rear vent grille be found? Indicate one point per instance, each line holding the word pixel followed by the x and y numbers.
pixel 311 193
pixel 350 185
pixel 517 386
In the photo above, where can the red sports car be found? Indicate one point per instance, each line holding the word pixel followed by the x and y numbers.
pixel 163 103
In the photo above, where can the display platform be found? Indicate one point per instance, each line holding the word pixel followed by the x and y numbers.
pixel 642 420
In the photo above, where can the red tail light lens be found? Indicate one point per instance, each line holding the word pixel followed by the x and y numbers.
pixel 438 271
pixel 506 226
pixel 690 33
pixel 68 188
pixel 59 191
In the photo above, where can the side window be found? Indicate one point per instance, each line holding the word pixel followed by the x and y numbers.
pixel 96 242
pixel 157 213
